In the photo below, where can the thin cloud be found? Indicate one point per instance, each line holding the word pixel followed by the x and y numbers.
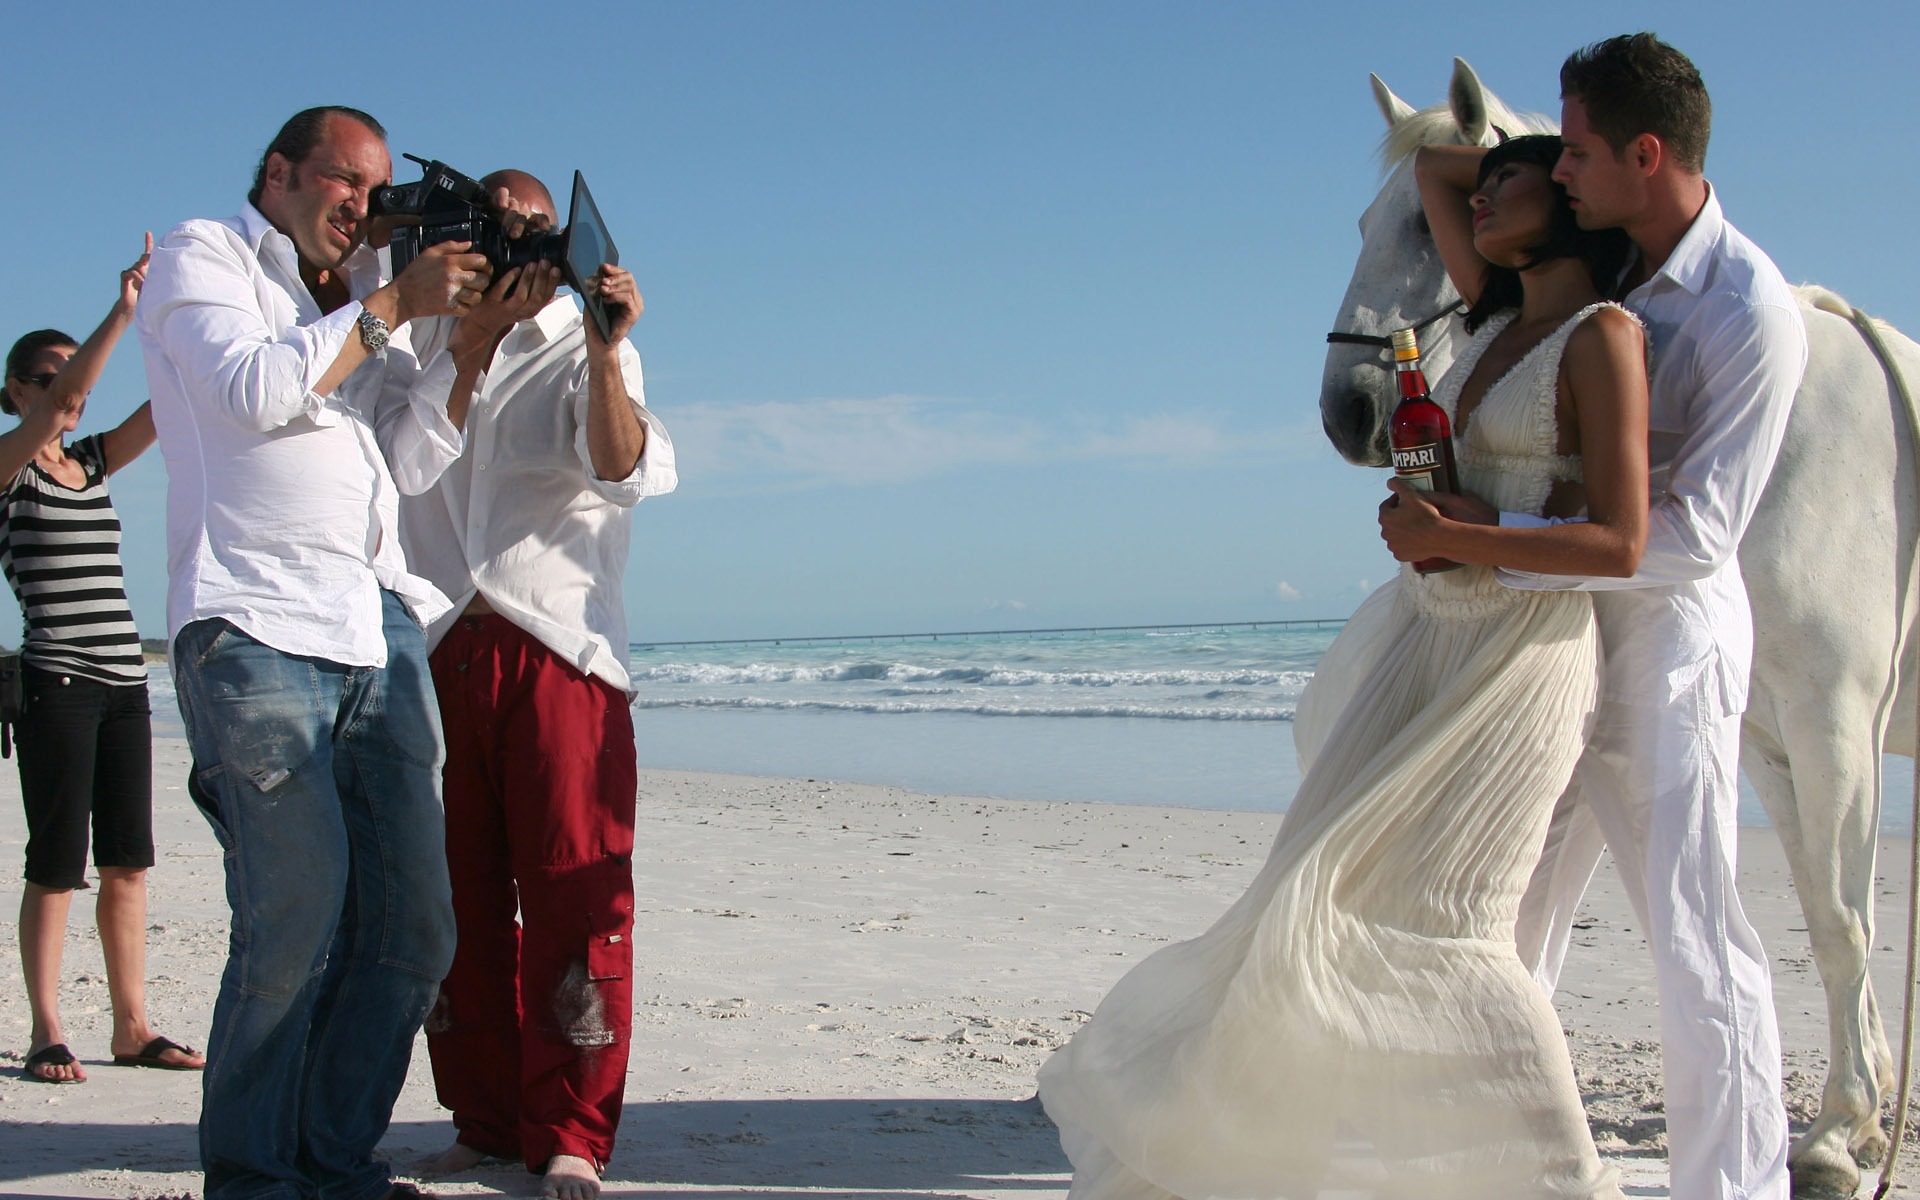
pixel 897 439
pixel 1286 591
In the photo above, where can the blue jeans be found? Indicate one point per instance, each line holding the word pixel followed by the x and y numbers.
pixel 321 782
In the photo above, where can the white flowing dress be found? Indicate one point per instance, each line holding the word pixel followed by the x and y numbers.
pixel 1359 1021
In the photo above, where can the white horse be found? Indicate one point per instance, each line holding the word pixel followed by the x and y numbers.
pixel 1830 568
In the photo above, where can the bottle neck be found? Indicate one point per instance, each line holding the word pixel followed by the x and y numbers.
pixel 1413 384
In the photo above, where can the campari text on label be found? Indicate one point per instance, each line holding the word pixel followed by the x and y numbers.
pixel 1421 435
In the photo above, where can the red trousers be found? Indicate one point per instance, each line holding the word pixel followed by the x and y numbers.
pixel 529 1037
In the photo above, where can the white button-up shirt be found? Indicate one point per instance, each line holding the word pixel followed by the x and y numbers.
pixel 1728 351
pixel 282 513
pixel 520 518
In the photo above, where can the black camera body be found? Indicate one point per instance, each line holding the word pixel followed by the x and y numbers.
pixel 451 207
pixel 446 206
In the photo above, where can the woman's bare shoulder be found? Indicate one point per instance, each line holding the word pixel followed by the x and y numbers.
pixel 1608 332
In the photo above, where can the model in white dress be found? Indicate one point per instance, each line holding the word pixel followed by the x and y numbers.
pixel 1359 1019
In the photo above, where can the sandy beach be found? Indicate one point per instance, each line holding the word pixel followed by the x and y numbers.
pixel 843 990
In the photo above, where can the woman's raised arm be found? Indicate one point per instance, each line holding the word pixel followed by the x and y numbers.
pixel 69 388
pixel 1448 176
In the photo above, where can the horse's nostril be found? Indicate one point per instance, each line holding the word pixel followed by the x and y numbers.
pixel 1350 426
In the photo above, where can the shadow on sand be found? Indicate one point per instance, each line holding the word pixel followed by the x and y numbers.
pixel 874 1147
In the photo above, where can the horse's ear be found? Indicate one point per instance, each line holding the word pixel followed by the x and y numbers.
pixel 1468 100
pixel 1392 107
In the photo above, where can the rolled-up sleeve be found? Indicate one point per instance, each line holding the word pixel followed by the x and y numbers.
pixel 655 474
pixel 202 305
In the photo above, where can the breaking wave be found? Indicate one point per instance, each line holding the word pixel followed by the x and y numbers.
pixel 718 675
pixel 1163 712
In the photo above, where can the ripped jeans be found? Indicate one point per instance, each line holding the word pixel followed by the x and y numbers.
pixel 320 781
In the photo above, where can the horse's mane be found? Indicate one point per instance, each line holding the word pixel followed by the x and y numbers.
pixel 1436 124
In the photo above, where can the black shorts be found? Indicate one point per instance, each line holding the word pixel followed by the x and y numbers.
pixel 86 753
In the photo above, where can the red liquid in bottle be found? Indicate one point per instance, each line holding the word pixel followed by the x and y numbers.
pixel 1421 436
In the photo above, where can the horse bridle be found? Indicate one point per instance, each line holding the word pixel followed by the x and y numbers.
pixel 1338 338
pixel 1386 343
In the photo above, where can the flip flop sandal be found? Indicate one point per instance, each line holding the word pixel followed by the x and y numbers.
pixel 150 1053
pixel 56 1055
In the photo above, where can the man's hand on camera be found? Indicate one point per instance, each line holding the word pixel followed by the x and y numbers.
pixel 516 296
pixel 518 219
pixel 446 280
pixel 616 289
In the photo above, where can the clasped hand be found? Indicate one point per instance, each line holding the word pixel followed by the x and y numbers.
pixel 1417 524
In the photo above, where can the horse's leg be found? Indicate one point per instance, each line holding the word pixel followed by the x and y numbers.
pixel 1816 772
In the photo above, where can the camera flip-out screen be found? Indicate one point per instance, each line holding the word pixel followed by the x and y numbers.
pixel 588 245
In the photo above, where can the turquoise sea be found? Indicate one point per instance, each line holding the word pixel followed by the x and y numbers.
pixel 1187 717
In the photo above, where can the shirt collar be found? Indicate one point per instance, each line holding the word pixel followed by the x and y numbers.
pixel 364 266
pixel 1692 260
pixel 255 227
pixel 555 319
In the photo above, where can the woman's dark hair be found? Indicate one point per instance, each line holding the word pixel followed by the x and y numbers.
pixel 1603 250
pixel 22 354
pixel 298 137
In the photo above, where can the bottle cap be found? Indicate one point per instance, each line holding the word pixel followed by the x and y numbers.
pixel 1405 346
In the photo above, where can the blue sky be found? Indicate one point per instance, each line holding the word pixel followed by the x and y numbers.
pixel 985 315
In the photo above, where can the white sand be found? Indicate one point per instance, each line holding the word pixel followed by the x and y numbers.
pixel 842 990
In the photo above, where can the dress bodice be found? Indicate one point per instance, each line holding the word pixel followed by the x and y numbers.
pixel 1507 453
pixel 1507 450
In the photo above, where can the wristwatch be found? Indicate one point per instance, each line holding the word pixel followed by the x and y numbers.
pixel 373 332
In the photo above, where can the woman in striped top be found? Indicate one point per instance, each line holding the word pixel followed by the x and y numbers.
pixel 85 742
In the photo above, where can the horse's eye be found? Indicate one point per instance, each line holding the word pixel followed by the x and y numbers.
pixel 1420 223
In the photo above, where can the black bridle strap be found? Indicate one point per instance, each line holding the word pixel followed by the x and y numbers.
pixel 1386 343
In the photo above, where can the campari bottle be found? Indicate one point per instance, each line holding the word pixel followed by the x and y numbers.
pixel 1421 435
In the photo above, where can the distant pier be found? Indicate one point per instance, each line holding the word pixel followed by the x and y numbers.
pixel 967 634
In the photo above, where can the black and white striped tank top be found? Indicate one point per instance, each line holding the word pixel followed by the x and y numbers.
pixel 60 548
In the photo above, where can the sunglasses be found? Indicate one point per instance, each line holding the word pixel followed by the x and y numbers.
pixel 44 379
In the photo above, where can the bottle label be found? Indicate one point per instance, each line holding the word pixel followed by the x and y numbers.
pixel 1417 464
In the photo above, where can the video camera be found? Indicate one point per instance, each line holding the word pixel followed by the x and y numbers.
pixel 446 206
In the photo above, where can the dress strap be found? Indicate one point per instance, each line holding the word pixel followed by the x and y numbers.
pixel 1447 389
pixel 1546 426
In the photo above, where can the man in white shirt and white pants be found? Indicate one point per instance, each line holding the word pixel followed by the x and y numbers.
pixel 298 654
pixel 528 532
pixel 1659 782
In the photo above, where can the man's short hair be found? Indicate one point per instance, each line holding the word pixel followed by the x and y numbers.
pixel 300 135
pixel 1635 84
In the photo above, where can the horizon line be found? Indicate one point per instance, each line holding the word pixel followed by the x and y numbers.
pixel 1317 622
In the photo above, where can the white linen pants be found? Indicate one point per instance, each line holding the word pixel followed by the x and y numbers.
pixel 1659 784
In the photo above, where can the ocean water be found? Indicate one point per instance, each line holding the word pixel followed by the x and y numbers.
pixel 1195 718
pixel 1181 717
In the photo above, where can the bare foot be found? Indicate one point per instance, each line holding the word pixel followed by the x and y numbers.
pixel 451 1161
pixel 570 1178
pixel 54 1063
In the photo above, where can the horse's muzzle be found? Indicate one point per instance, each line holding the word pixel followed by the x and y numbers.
pixel 1353 425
